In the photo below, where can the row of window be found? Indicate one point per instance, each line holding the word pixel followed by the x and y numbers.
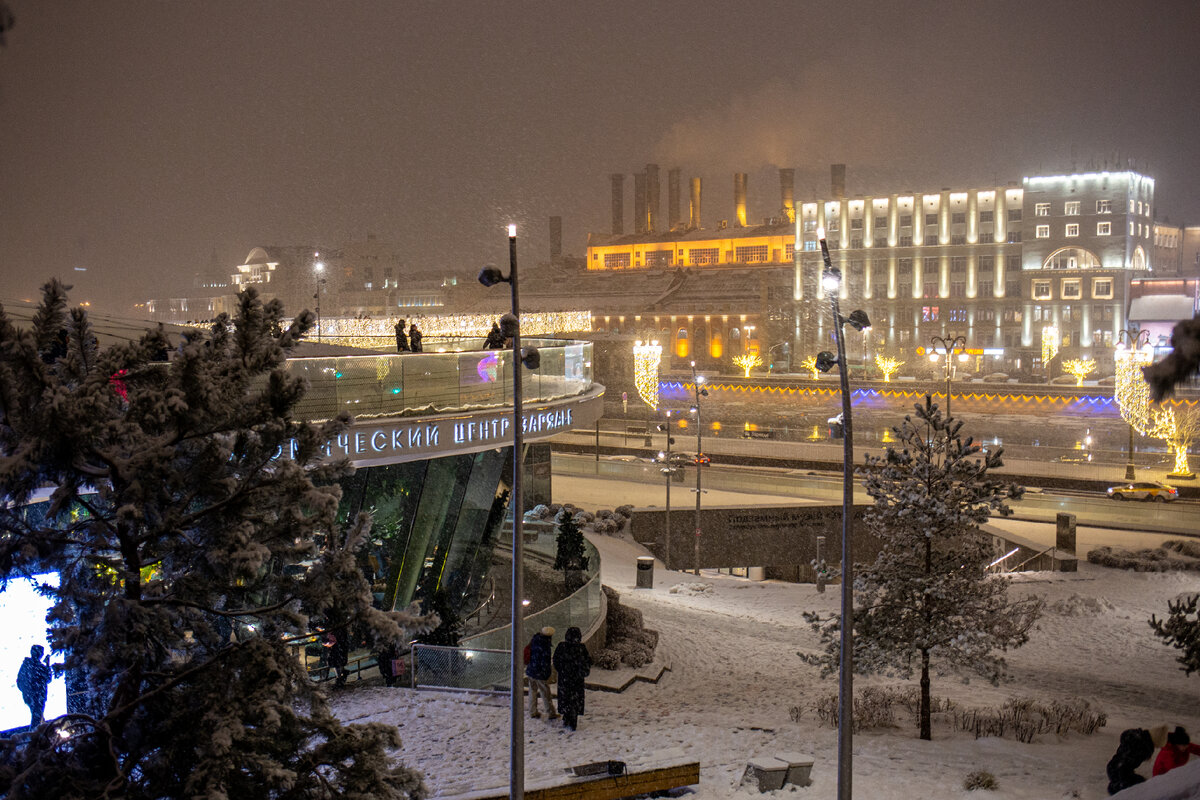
pixel 1072 289
pixel 906 220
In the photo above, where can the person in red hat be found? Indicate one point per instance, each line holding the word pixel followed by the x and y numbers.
pixel 1175 752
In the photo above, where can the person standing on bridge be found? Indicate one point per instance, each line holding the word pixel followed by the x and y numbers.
pixel 401 338
pixel 414 338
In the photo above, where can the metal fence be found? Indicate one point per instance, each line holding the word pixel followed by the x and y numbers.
pixel 479 670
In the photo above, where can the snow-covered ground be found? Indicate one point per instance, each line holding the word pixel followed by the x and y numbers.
pixel 732 645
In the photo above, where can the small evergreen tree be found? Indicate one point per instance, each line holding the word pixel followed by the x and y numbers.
pixel 1181 630
pixel 570 552
pixel 174 510
pixel 929 597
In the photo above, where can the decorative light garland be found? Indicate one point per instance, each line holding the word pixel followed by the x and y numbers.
pixel 810 364
pixel 747 362
pixel 1131 390
pixel 646 358
pixel 1177 437
pixel 888 366
pixel 1080 368
pixel 375 333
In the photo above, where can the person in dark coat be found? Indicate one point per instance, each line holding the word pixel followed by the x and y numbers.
pixel 337 645
pixel 414 338
pixel 573 663
pixel 495 339
pixel 538 669
pixel 385 656
pixel 401 338
pixel 1135 746
pixel 33 678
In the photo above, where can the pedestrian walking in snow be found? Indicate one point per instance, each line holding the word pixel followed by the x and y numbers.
pixel 401 338
pixel 1175 752
pixel 33 678
pixel 538 668
pixel 414 338
pixel 573 663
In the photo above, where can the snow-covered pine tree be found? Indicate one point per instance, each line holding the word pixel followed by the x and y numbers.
pixel 928 598
pixel 569 553
pixel 171 518
pixel 1181 630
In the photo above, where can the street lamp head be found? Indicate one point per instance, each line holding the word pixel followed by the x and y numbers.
pixel 821 234
pixel 859 320
pixel 699 379
pixel 704 392
pixel 531 358
pixel 934 357
pixel 512 230
pixel 825 361
pixel 509 326
pixel 963 356
pixel 831 279
pixel 319 266
pixel 490 276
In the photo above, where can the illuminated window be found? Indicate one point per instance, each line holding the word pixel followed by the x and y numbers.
pixel 810 246
pixel 1104 206
pixel 752 254
pixel 1139 206
pixel 1131 205
pixel 1102 288
pixel 1041 210
pixel 1041 290
pixel 681 343
pixel 958 315
pixel 810 226
pixel 1073 229
pixel 1042 232
pixel 1072 289
pixel 616 261
pixel 659 258
pixel 929 313
pixel 1071 208
pixel 1103 228
pixel 789 252
pixel 707 255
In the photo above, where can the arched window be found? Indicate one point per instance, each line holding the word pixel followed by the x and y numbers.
pixel 1139 258
pixel 681 343
pixel 1071 258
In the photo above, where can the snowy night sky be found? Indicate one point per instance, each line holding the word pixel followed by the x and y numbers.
pixel 138 138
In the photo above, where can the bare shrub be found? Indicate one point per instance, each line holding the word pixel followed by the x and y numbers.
pixel 980 780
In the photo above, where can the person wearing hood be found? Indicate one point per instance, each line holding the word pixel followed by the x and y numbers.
pixel 573 663
pixel 1175 752
pixel 538 669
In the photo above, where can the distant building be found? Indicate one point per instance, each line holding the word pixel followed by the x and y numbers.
pixel 1002 265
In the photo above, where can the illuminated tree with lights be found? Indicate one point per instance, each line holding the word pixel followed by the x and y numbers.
pixel 888 366
pixel 748 362
pixel 1050 344
pixel 1080 368
pixel 1131 390
pixel 810 364
pixel 646 358
pixel 1179 432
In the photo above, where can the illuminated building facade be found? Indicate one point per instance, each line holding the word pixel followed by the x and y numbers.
pixel 996 264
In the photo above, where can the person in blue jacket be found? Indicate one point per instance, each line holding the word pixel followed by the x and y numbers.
pixel 538 669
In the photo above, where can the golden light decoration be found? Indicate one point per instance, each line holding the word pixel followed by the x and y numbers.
pixel 1080 368
pixel 1131 390
pixel 1178 434
pixel 381 333
pixel 646 358
pixel 810 364
pixel 888 366
pixel 747 362
pixel 1050 342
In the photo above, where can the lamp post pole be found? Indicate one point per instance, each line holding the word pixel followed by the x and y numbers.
pixel 668 470
pixel 1133 338
pixel 697 380
pixel 948 345
pixel 510 327
pixel 831 279
pixel 318 267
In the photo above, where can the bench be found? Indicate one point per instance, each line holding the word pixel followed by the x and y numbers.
pixel 770 774
pixel 606 786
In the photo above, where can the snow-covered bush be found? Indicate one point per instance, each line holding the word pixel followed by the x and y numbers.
pixel 1148 560
pixel 583 517
pixel 628 643
pixel 625 511
pixel 980 779
pixel 1186 547
pixel 608 659
pixel 604 513
pixel 606 526
pixel 1077 606
pixel 538 512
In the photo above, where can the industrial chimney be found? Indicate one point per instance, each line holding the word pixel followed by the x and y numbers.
pixel 653 214
pixel 673 198
pixel 555 240
pixel 618 204
pixel 739 198
pixel 838 181
pixel 787 192
pixel 694 207
pixel 639 202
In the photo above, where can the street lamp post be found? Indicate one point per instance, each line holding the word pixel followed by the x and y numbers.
pixel 510 328
pixel 948 346
pixel 318 268
pixel 668 469
pixel 1132 338
pixel 831 280
pixel 697 384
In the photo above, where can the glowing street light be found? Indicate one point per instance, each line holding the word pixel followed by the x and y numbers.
pixel 646 358
pixel 948 347
pixel 698 386
pixel 318 271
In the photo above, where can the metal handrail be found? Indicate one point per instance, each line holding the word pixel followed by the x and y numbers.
pixel 1031 558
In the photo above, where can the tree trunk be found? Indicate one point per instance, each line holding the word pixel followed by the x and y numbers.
pixel 926 731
